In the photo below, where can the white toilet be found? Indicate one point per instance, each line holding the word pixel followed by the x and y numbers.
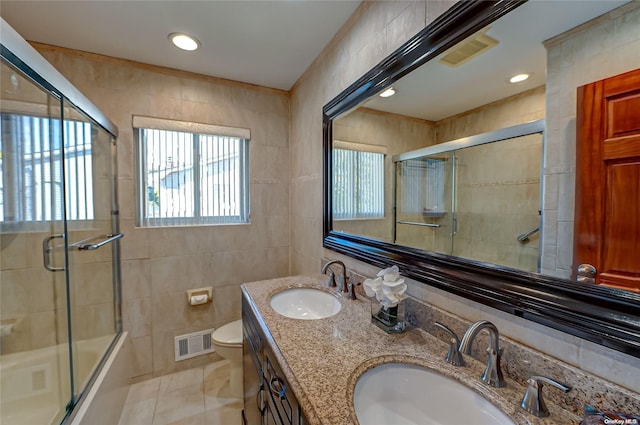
pixel 227 341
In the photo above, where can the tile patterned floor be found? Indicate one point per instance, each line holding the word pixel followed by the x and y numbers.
pixel 198 396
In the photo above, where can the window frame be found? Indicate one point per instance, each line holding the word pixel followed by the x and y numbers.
pixel 360 150
pixel 196 131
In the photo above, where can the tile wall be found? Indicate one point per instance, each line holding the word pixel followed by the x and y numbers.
pixel 482 234
pixel 374 31
pixel 160 264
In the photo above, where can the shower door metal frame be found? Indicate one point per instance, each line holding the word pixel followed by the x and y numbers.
pixel 21 55
pixel 519 130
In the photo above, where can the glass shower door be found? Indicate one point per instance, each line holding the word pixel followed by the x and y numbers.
pixel 90 231
pixel 34 338
pixel 424 202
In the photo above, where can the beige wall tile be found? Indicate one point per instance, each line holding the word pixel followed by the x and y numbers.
pixel 137 316
pixel 142 353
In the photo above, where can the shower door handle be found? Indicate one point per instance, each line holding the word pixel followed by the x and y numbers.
pixel 105 240
pixel 46 252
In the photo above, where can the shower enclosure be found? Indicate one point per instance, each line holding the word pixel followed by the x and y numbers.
pixel 59 264
pixel 477 197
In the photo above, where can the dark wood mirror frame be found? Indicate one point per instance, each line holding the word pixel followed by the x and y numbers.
pixel 605 316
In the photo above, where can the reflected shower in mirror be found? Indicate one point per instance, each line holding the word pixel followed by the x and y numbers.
pixel 477 198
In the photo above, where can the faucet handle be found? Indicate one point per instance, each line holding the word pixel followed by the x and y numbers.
pixel 454 356
pixel 351 292
pixel 532 401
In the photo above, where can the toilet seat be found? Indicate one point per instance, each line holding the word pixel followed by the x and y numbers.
pixel 229 335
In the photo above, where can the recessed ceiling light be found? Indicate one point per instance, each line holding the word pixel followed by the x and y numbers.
pixel 518 78
pixel 388 92
pixel 184 41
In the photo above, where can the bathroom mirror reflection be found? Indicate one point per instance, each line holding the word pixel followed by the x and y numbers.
pixel 478 201
pixel 465 92
pixel 573 44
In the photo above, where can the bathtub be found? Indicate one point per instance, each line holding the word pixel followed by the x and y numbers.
pixel 35 384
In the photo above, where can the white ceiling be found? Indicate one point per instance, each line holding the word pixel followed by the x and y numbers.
pixel 436 91
pixel 268 43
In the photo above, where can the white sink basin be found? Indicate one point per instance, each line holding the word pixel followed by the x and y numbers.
pixel 305 303
pixel 402 394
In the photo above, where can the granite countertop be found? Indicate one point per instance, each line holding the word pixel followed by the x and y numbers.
pixel 322 359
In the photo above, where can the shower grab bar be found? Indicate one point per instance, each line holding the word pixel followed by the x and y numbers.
pixel 525 236
pixel 108 238
pixel 413 223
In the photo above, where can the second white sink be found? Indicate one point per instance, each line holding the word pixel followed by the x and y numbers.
pixel 403 394
pixel 305 303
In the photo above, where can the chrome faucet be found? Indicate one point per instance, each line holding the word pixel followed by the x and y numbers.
pixel 492 374
pixel 331 282
pixel 342 279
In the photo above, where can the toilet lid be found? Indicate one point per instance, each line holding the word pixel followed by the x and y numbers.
pixel 231 333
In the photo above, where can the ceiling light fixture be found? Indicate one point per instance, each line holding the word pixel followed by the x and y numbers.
pixel 518 78
pixel 388 92
pixel 184 41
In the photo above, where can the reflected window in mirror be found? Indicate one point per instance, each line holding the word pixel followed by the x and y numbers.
pixel 358 183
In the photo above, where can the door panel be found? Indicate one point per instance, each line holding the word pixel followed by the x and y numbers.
pixel 35 384
pixel 87 169
pixel 607 226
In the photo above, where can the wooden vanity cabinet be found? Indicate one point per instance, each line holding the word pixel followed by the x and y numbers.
pixel 268 399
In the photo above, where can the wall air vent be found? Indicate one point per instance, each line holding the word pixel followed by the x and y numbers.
pixel 193 344
pixel 468 48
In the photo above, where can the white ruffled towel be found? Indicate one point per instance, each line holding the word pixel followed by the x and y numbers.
pixel 388 288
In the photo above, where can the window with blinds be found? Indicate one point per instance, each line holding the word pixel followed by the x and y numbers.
pixel 358 184
pixel 38 157
pixel 191 174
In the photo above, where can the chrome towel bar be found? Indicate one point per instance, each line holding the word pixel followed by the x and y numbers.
pixel 413 223
pixel 108 238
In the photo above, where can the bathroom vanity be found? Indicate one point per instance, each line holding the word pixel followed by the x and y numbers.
pixel 305 371
pixel 268 398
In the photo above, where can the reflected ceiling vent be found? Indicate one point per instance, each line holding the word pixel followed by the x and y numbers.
pixel 468 48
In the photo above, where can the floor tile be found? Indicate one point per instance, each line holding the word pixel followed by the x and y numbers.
pixel 198 396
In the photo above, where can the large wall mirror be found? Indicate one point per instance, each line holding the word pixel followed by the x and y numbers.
pixel 436 162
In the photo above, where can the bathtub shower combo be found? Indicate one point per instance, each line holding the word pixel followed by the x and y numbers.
pixel 59 241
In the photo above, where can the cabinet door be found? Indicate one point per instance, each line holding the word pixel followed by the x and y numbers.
pixel 253 381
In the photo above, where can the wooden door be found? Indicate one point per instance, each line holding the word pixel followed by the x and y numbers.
pixel 607 211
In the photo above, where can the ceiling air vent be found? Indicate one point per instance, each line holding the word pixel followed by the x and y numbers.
pixel 468 48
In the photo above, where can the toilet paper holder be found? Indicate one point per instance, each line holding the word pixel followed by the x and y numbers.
pixel 199 296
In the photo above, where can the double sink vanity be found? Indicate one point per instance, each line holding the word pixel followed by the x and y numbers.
pixel 312 356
